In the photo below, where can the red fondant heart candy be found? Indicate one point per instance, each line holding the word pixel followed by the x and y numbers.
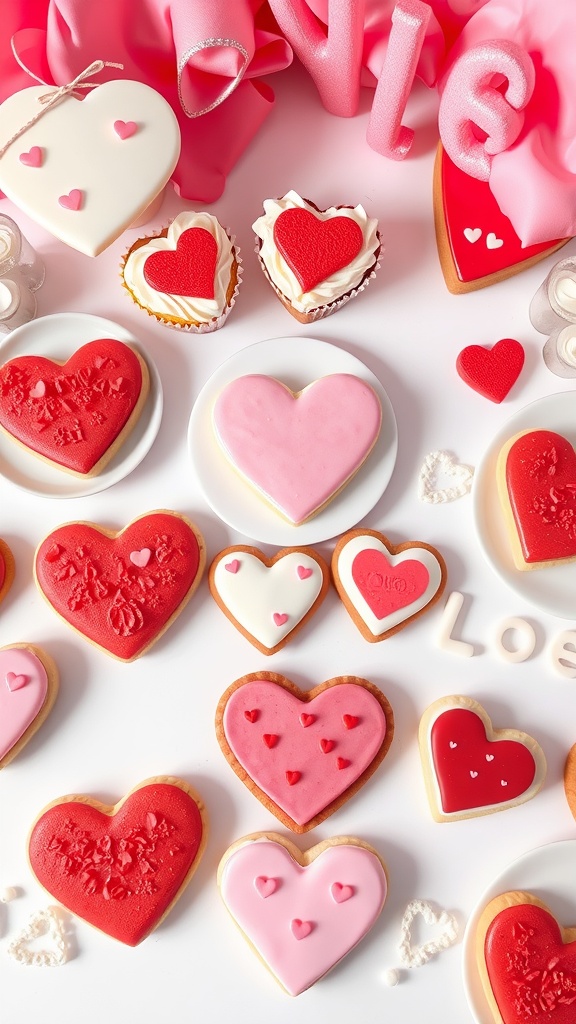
pixel 73 413
pixel 88 576
pixel 186 270
pixel 120 868
pixel 315 249
pixel 491 371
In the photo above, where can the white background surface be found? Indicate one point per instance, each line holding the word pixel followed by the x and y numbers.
pixel 114 725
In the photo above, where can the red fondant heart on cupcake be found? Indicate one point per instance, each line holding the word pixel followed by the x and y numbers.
pixel 314 249
pixel 491 371
pixel 75 413
pixel 87 574
pixel 315 762
pixel 186 270
pixel 120 868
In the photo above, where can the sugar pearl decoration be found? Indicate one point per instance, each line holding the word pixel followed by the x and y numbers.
pixel 8 894
pixel 391 977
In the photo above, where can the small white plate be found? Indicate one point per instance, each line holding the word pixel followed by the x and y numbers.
pixel 552 590
pixel 296 362
pixel 57 337
pixel 548 873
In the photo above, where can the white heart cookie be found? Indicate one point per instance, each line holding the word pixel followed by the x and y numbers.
pixel 267 599
pixel 443 462
pixel 88 183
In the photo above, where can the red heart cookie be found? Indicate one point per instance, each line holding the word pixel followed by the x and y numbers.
pixel 186 270
pixel 476 242
pixel 6 569
pixel 74 414
pixel 383 586
pixel 491 371
pixel 314 249
pixel 303 764
pixel 536 475
pixel 471 768
pixel 526 961
pixel 121 868
pixel 87 574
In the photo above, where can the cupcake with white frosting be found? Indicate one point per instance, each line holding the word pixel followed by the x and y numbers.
pixel 316 260
pixel 188 275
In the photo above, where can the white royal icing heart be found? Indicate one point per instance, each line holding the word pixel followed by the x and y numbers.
pixel 49 924
pixel 84 156
pixel 443 462
pixel 492 242
pixel 472 234
pixel 416 956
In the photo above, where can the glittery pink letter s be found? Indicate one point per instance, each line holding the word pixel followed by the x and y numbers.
pixel 386 133
pixel 470 98
pixel 332 59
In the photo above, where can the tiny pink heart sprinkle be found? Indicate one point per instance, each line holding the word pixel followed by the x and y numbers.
pixel 265 886
pixel 33 158
pixel 232 566
pixel 280 618
pixel 124 129
pixel 140 558
pixel 15 682
pixel 300 929
pixel 340 893
pixel 73 201
pixel 303 572
pixel 39 390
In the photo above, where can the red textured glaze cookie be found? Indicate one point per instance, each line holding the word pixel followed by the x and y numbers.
pixel 121 867
pixel 526 961
pixel 303 754
pixel 536 475
pixel 469 767
pixel 74 415
pixel 121 589
pixel 477 244
pixel 6 569
pixel 492 372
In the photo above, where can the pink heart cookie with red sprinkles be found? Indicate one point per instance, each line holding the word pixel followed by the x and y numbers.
pixel 100 583
pixel 303 754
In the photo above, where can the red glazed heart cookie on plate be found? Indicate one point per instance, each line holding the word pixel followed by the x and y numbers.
pixel 121 590
pixel 303 754
pixel 121 867
pixel 74 415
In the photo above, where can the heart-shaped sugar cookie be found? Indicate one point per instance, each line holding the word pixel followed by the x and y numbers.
pixel 92 182
pixel 28 689
pixel 491 372
pixel 6 569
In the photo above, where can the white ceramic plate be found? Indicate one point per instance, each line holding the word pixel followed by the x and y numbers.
pixel 552 590
pixel 296 362
pixel 57 337
pixel 548 873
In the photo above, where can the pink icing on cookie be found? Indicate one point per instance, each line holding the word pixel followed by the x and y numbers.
pixel 23 691
pixel 301 930
pixel 297 451
pixel 297 774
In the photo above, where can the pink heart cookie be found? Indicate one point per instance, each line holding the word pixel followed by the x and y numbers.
pixel 384 586
pixel 298 449
pixel 298 927
pixel 302 765
pixel 28 688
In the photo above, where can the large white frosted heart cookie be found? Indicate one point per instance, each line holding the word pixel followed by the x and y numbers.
pixel 87 169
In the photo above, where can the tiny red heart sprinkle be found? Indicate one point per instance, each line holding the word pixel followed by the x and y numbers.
pixel 270 739
pixel 326 746
pixel 252 716
pixel 306 720
pixel 350 721
pixel 341 763
pixel 293 777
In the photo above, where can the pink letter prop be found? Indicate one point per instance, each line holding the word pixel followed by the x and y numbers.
pixel 471 98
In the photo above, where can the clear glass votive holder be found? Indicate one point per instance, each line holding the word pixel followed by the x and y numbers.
pixel 17 252
pixel 17 304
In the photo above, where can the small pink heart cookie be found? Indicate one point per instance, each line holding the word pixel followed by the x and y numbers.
pixel 302 912
pixel 303 754
pixel 28 689
pixel 268 599
pixel 384 586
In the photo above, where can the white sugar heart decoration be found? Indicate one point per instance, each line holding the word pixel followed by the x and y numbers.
pixel 417 956
pixel 472 234
pixel 47 924
pixel 492 242
pixel 93 183
pixel 442 462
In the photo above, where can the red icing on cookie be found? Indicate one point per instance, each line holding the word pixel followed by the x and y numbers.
pixel 96 588
pixel 186 270
pixel 384 587
pixel 541 483
pixel 71 414
pixel 2 570
pixel 119 872
pixel 491 371
pixel 315 249
pixel 482 242
pixel 532 971
pixel 473 771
